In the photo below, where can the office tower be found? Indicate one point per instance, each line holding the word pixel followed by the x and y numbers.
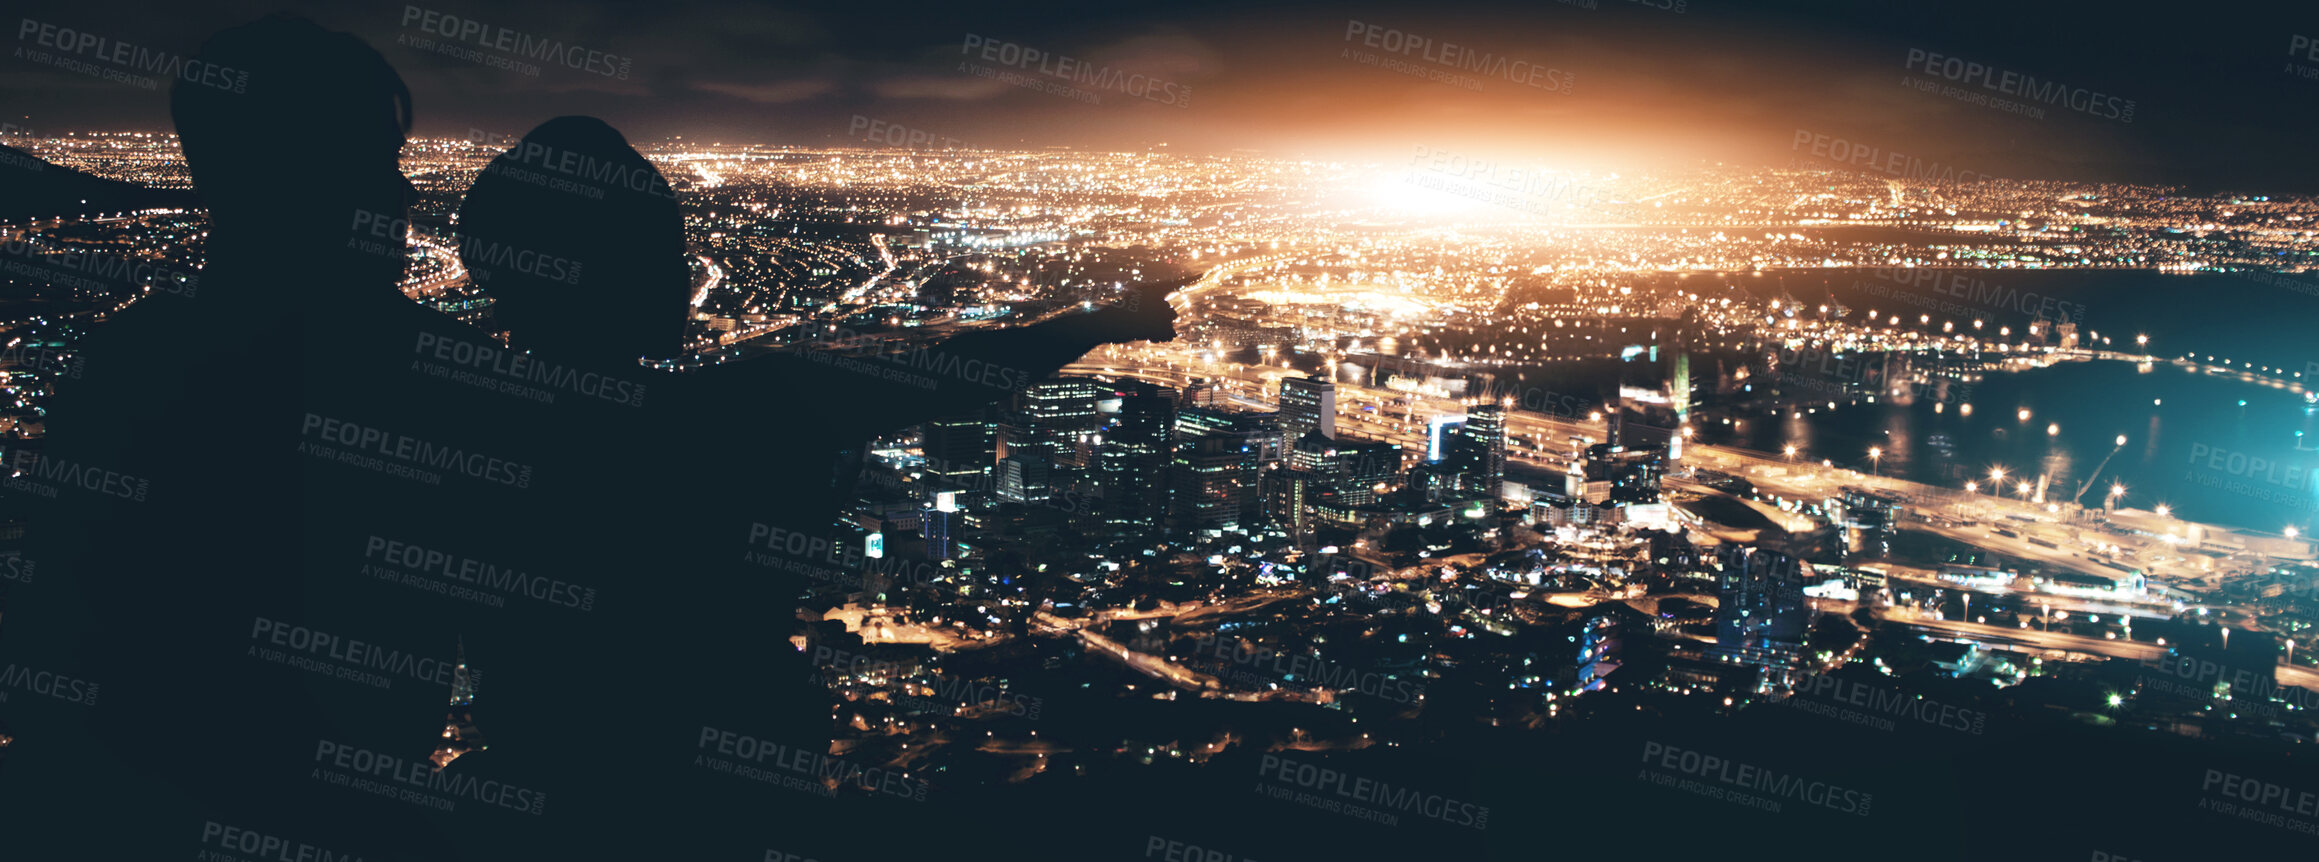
pixel 1479 451
pixel 1679 387
pixel 1440 433
pixel 1352 468
pixel 1366 464
pixel 1308 404
pixel 938 523
pixel 1288 497
pixel 1762 616
pixel 1025 478
pixel 1869 520
pixel 1215 468
pixel 1212 478
pixel 1632 475
pixel 1202 392
pixel 1052 416
pixel 960 450
pixel 1131 454
pixel 1599 646
pixel 460 735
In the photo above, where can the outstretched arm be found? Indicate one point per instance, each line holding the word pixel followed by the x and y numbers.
pixel 872 390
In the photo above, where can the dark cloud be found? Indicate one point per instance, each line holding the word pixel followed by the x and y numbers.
pixel 2216 101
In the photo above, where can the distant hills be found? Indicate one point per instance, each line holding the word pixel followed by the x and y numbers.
pixel 32 187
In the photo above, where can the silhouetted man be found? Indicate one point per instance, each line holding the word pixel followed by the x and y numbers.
pixel 659 504
pixel 157 578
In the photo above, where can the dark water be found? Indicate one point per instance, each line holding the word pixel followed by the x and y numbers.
pixel 2190 444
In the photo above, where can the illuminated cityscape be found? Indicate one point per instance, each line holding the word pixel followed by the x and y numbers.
pixel 1463 475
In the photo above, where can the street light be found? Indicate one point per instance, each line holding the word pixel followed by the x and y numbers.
pixel 1876 459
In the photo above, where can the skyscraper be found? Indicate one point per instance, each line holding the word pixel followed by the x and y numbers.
pixel 1052 416
pixel 960 450
pixel 1214 472
pixel 460 735
pixel 1130 463
pixel 1481 452
pixel 1761 615
pixel 1308 404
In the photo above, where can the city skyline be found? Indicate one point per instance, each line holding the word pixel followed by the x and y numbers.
pixel 1599 428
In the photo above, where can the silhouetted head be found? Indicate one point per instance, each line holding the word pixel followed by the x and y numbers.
pixel 288 124
pixel 578 240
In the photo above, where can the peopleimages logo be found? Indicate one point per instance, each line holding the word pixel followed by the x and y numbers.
pixel 806 762
pixel 522 366
pixel 92 270
pixel 800 551
pixel 411 561
pixel 1724 772
pixel 2260 801
pixel 48 683
pixel 591 175
pixel 983 482
pixel 1463 58
pixel 1331 789
pixel 270 848
pixel 873 129
pixel 311 649
pixel 42 359
pixel 39 474
pixel 1979 291
pixel 124 56
pixel 396 776
pixel 1171 850
pixel 1489 181
pixel 362 439
pixel 1307 668
pixel 2200 676
pixel 509 41
pixel 947 695
pixel 2089 102
pixel 507 258
pixel 1877 159
pixel 1882 705
pixel 2280 483
pixel 14 567
pixel 1076 70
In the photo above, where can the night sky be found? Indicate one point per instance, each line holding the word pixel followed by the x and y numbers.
pixel 2216 105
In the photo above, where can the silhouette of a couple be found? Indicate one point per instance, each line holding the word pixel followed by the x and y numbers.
pixel 345 485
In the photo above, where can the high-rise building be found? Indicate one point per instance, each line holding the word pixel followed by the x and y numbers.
pixel 1129 469
pixel 1479 451
pixel 1870 517
pixel 937 523
pixel 1215 468
pixel 1633 474
pixel 1351 467
pixel 960 450
pixel 1308 404
pixel 1761 614
pixel 1027 477
pixel 460 735
pixel 1052 416
pixel 1202 392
